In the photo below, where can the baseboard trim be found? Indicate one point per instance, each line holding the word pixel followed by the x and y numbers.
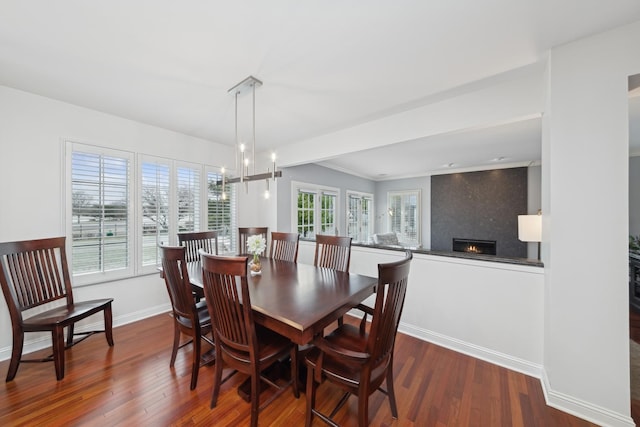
pixel 38 341
pixel 560 401
pixel 582 409
pixel 479 352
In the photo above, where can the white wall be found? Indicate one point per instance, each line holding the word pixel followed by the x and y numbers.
pixel 31 197
pixel 585 225
pixel 534 199
pixel 492 311
pixel 517 94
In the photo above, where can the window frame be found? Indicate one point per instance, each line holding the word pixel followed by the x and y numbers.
pixel 142 159
pixel 402 236
pixel 199 195
pixel 318 191
pixel 81 279
pixel 230 190
pixel 359 237
pixel 135 221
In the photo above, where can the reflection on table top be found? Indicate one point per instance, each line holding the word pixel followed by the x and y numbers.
pixel 299 300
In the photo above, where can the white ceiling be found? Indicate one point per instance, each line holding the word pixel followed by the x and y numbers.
pixel 326 65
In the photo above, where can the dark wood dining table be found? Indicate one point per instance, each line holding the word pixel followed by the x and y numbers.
pixel 298 300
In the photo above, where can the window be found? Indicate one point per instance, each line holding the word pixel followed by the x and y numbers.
pixel 220 207
pixel 100 222
pixel 155 209
pixel 306 214
pixel 327 213
pixel 404 216
pixel 122 205
pixel 359 216
pixel 188 193
pixel 314 209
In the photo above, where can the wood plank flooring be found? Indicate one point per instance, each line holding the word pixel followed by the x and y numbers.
pixel 132 384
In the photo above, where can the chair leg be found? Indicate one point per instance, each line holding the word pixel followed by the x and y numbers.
pixel 294 371
pixel 57 336
pixel 390 391
pixel 16 354
pixel 70 331
pixel 108 324
pixel 176 343
pixel 255 396
pixel 311 397
pixel 195 365
pixel 363 410
pixel 217 381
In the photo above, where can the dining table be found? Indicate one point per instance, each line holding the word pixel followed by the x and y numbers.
pixel 298 300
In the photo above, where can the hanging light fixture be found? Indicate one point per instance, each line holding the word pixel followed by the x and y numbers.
pixel 248 85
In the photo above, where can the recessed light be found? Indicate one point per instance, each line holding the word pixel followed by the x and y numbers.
pixel 499 159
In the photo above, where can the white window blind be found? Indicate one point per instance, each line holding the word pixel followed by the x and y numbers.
pixel 221 210
pixel 155 194
pixel 100 202
pixel 188 193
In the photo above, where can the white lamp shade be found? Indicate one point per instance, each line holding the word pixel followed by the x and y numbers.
pixel 530 228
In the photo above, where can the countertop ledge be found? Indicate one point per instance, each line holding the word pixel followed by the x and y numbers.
pixel 463 255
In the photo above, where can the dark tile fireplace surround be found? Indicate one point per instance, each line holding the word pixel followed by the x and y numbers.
pixel 480 211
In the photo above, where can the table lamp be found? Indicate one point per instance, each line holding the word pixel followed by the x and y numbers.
pixel 530 229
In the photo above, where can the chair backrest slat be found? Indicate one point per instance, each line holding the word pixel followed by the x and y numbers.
pixel 194 241
pixel 245 232
pixel 284 246
pixel 174 270
pixel 34 273
pixel 390 296
pixel 332 252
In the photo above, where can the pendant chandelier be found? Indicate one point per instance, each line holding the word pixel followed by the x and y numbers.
pixel 243 157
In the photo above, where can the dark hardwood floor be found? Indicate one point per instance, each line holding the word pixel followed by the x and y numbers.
pixel 132 384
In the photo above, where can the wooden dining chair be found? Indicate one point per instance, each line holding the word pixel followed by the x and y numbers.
pixel 193 241
pixel 357 361
pixel 240 343
pixel 332 252
pixel 34 275
pixel 245 232
pixel 284 246
pixel 189 317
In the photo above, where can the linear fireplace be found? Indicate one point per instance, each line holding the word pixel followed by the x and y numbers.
pixel 487 247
